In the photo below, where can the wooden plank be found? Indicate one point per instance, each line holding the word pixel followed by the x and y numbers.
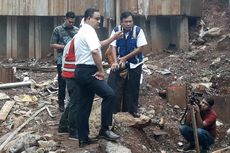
pixel 6 109
pixel 8 36
pixel 195 131
pixel 32 37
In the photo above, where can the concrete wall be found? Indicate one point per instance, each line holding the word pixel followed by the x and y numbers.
pixel 3 36
pixel 30 36
pixel 168 30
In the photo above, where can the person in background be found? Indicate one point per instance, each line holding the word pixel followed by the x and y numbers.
pixel 60 37
pixel 206 125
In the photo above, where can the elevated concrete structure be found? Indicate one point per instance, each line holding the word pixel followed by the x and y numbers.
pixel 26 26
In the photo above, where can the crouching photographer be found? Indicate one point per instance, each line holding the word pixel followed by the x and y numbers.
pixel 206 125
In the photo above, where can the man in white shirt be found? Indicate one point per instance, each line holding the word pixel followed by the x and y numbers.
pixel 89 75
pixel 127 65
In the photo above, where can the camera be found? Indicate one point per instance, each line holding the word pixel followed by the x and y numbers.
pixel 194 100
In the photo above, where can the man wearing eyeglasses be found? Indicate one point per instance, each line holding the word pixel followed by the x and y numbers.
pixel 89 75
pixel 206 125
pixel 126 69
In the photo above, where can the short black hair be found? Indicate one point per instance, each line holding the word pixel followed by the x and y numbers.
pixel 210 100
pixel 70 15
pixel 126 14
pixel 89 13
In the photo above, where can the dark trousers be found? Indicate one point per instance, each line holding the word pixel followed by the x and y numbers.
pixel 61 85
pixel 205 138
pixel 128 89
pixel 121 88
pixel 87 87
pixel 69 117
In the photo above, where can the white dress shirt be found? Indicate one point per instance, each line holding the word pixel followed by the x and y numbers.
pixel 85 42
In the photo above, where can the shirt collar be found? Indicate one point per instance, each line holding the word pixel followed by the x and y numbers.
pixel 87 26
pixel 65 27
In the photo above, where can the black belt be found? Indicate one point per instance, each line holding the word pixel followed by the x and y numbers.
pixel 86 66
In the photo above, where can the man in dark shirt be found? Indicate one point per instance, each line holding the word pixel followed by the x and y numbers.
pixel 206 125
pixel 60 37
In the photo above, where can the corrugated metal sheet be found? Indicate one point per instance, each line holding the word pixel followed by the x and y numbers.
pixel 48 7
pixel 79 6
pixel 164 7
pixel 60 7
pixel 191 7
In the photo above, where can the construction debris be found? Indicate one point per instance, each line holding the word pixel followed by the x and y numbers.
pixel 6 109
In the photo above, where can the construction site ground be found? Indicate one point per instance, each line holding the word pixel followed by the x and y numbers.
pixel 211 61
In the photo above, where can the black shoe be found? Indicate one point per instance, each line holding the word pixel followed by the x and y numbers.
pixel 61 107
pixel 63 131
pixel 109 135
pixel 135 115
pixel 73 137
pixel 88 142
pixel 187 148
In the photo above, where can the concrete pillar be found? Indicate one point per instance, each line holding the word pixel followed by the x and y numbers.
pixel 8 36
pixel 55 24
pixel 32 37
pixel 38 37
pixel 3 30
pixel 14 39
pixel 183 33
pixel 47 28
pixel 146 28
pixel 154 34
pixel 22 37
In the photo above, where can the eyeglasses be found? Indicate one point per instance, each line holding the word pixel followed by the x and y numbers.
pixel 98 18
pixel 129 21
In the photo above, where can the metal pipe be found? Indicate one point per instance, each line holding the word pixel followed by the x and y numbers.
pixel 15 84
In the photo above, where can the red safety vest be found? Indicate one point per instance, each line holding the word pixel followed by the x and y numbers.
pixel 69 62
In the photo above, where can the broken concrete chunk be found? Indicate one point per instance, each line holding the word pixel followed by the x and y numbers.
pixel 3 96
pixel 152 67
pixel 113 147
pixel 159 133
pixel 23 143
pixel 194 55
pixel 198 85
pixel 164 72
pixel 151 114
pixel 50 145
pixel 128 120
